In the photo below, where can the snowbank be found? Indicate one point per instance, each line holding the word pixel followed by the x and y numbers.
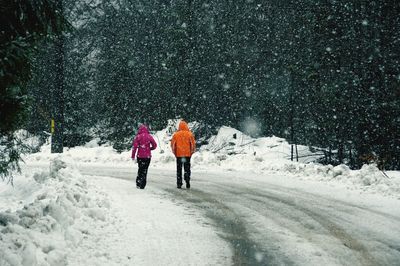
pixel 369 178
pixel 54 218
pixel 231 150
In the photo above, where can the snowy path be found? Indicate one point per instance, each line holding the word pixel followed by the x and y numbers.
pixel 264 221
pixel 150 231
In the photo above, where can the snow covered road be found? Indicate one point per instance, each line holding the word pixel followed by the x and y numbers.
pixel 256 220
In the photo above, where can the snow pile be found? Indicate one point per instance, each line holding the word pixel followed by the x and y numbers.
pixel 231 149
pixel 368 178
pixel 54 219
pixel 92 152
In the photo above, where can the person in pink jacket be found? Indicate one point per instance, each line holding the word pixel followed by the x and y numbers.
pixel 142 146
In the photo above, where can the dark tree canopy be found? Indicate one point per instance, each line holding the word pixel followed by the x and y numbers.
pixel 22 24
pixel 320 73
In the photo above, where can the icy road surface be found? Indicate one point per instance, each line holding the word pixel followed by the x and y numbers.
pixel 262 220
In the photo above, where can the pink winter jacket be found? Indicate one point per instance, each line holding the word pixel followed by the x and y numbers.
pixel 143 143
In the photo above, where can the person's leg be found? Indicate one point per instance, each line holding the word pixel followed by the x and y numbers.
pixel 139 178
pixel 179 172
pixel 146 164
pixel 186 166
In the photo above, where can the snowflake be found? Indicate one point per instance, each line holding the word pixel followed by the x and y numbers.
pixel 226 86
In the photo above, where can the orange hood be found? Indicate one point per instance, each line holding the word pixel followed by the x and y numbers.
pixel 183 126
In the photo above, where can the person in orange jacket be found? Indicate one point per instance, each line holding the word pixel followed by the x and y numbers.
pixel 183 145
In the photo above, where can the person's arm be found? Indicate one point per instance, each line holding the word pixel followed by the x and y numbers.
pixel 153 143
pixel 134 147
pixel 192 144
pixel 173 145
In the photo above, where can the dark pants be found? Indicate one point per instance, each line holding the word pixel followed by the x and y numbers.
pixel 142 172
pixel 185 162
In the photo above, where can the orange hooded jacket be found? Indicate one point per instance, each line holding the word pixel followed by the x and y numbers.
pixel 183 143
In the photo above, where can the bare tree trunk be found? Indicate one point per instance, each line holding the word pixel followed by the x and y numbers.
pixel 340 152
pixel 58 95
pixel 330 155
pixel 291 102
pixel 291 153
pixel 351 158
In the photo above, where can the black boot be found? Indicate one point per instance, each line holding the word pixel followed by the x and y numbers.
pixel 137 182
pixel 187 180
pixel 179 182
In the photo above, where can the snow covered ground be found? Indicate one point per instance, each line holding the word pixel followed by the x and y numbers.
pixel 59 217
pixel 243 153
pixel 82 208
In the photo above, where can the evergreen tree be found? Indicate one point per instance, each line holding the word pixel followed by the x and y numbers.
pixel 22 24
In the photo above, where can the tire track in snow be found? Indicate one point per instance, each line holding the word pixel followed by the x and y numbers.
pixel 246 251
pixel 330 212
pixel 336 231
